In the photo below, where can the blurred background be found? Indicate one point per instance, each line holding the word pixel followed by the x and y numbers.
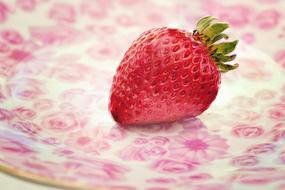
pixel 257 22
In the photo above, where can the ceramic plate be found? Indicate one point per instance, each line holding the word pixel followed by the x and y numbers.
pixel 57 60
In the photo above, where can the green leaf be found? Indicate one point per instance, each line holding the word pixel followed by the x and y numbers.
pixel 224 58
pixel 226 47
pixel 203 19
pixel 219 36
pixel 215 29
pixel 209 31
pixel 223 68
pixel 204 23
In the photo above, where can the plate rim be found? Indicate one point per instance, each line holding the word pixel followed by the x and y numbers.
pixel 45 181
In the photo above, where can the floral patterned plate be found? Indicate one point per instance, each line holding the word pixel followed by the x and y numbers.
pixel 57 59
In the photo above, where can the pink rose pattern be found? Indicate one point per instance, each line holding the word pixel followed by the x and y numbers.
pixel 144 149
pixel 172 167
pixel 26 5
pixel 54 78
pixel 247 131
pixel 88 141
pixel 198 146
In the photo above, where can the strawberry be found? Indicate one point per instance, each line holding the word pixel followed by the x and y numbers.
pixel 169 74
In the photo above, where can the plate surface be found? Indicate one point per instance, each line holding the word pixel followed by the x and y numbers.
pixel 57 59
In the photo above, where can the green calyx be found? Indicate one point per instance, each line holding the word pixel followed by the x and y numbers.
pixel 210 32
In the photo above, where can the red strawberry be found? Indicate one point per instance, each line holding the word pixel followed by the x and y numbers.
pixel 169 74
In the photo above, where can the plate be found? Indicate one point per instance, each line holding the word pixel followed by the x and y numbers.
pixel 56 66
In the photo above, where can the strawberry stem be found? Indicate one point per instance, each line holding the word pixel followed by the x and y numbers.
pixel 210 32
